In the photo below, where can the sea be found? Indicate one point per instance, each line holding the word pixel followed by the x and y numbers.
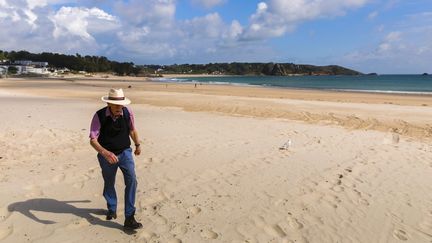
pixel 396 84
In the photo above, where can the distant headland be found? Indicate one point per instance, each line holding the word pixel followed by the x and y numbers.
pixel 14 62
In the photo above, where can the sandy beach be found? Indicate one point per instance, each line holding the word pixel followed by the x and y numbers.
pixel 357 169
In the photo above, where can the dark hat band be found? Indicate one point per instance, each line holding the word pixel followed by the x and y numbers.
pixel 116 98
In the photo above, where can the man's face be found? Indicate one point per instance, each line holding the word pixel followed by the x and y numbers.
pixel 116 110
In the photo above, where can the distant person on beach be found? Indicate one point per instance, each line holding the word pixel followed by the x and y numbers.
pixel 110 133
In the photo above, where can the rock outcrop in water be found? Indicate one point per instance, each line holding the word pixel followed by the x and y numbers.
pixel 272 69
pixel 285 69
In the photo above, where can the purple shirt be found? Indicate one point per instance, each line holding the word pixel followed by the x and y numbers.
pixel 95 123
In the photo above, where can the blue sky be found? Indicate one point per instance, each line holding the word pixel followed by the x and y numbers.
pixel 383 36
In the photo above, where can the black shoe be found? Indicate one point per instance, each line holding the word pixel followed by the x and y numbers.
pixel 111 215
pixel 131 223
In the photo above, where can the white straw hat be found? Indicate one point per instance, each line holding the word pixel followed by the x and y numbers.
pixel 116 96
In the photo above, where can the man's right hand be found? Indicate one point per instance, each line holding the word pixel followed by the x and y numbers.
pixel 110 157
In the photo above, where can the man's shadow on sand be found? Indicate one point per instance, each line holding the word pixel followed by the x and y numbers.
pixel 55 206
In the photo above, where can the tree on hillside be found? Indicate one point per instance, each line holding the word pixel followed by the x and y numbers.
pixel 75 62
pixel 2 55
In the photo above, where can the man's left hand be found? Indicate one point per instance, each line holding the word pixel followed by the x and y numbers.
pixel 137 150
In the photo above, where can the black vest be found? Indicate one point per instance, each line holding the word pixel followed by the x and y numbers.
pixel 114 135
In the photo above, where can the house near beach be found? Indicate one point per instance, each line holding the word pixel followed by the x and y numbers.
pixel 3 67
pixel 3 70
pixel 24 67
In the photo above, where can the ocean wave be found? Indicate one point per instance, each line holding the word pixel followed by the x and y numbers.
pixel 171 80
pixel 297 86
pixel 384 91
pixel 192 81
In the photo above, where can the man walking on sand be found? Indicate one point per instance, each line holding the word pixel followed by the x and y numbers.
pixel 110 132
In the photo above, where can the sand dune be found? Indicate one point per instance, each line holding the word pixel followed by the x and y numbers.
pixel 217 174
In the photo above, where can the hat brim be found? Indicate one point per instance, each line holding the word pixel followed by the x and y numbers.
pixel 126 101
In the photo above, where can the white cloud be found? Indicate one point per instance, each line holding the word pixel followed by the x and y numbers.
pixel 383 47
pixel 71 21
pixel 274 18
pixel 36 3
pixel 148 29
pixel 373 15
pixel 393 36
pixel 31 17
pixel 262 7
pixel 8 11
pixel 209 26
pixel 145 50
pixel 133 35
pixel 17 10
pixel 391 45
pixel 402 51
pixel 153 13
pixel 208 3
pixel 80 21
pixel 31 25
pixel 234 30
pixel 13 15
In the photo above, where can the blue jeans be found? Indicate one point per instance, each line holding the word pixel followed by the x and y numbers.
pixel 109 171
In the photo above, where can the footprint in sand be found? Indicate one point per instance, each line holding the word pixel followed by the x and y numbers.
pixel 147 161
pixel 154 198
pixel 208 234
pixel 78 185
pixel 274 231
pixel 193 210
pixel 155 160
pixel 78 224
pixel 294 223
pixel 92 173
pixel 59 178
pixel 5 232
pixel 364 201
pixel 175 240
pixel 178 229
pixel 400 234
pixel 259 221
pixel 338 188
pixel 94 169
pixel 4 214
pixel 160 220
pixel 4 179
pixel 426 224
pixel 147 235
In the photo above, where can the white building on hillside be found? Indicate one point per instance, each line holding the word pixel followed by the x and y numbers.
pixel 26 67
pixel 36 70
pixel 31 63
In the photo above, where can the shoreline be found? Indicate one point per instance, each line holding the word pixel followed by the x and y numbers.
pixel 378 92
pixel 147 84
pixel 188 77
